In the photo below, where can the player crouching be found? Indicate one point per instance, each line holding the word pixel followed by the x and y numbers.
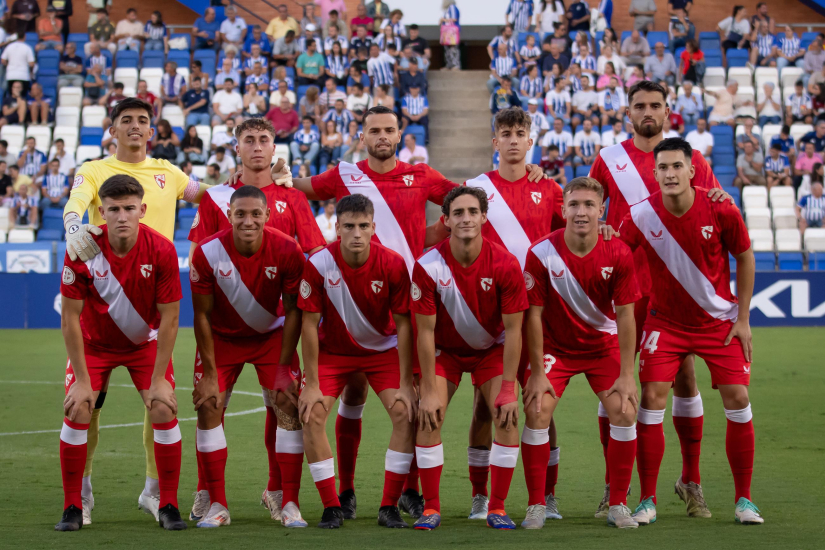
pixel 581 290
pixel 238 276
pixel 121 307
pixel 361 291
pixel 469 299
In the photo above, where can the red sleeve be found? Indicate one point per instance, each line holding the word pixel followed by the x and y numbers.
pixel 512 292
pixel 600 173
pixel 326 184
pixel 292 270
pixel 204 224
pixel 629 233
pixel 168 276
pixel 311 296
pixel 399 287
pixel 438 185
pixel 625 287
pixel 306 228
pixel 704 176
pixel 422 292
pixel 535 279
pixel 201 277
pixel 75 281
pixel 734 231
pixel 558 221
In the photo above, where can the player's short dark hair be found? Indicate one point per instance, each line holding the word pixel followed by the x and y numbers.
pixel 254 124
pixel 248 192
pixel 584 183
pixel 646 86
pixel 132 103
pixel 513 117
pixel 381 110
pixel 119 186
pixel 456 192
pixel 674 144
pixel 355 204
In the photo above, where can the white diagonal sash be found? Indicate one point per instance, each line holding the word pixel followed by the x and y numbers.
pixel 503 220
pixel 121 310
pixel 386 226
pixel 221 194
pixel 465 322
pixel 239 296
pixel 625 174
pixel 357 324
pixel 570 290
pixel 680 265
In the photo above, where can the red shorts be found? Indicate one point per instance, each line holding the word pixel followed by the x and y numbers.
pixel 139 363
pixel 231 355
pixel 664 349
pixel 601 370
pixel 381 369
pixel 482 367
pixel 640 314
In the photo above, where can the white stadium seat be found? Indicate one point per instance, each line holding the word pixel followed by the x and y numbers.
pixel 714 77
pixel 205 133
pixel 746 93
pixel 2 236
pixel 758 218
pixel 788 240
pixel 770 131
pixel 42 136
pixel 67 116
pixel 69 136
pixel 70 96
pixel 93 116
pixel 174 115
pixel 199 171
pixel 799 130
pixel 765 74
pixel 4 219
pixel 14 134
pixel 87 152
pixel 815 239
pixel 184 72
pixel 782 197
pixel 741 130
pixel 754 197
pixel 21 235
pixel 761 239
pixel 710 101
pixel 281 152
pixel 784 218
pixel 152 76
pixel 128 76
pixel 789 76
pixel 742 75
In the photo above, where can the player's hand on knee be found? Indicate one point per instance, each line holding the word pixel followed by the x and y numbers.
pixel 310 395
pixel 207 389
pixel 430 413
pixel 408 397
pixel 507 416
pixel 80 396
pixel 162 392
pixel 715 194
pixel 742 329
pixel 535 388
pixel 625 386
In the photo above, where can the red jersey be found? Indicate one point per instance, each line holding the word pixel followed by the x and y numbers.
pixel 626 173
pixel 356 305
pixel 400 198
pixel 578 294
pixel 289 213
pixel 246 290
pixel 120 313
pixel 468 302
pixel 690 258
pixel 519 212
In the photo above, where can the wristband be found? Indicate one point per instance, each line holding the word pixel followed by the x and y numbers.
pixel 507 394
pixel 284 376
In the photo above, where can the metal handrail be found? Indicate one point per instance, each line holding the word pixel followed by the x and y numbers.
pixel 809 26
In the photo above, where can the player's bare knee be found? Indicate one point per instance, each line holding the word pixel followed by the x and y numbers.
pixel 317 419
pixel 734 397
pixel 161 413
pixel 83 416
pixel 654 395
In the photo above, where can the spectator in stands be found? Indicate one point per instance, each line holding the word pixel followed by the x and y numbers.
pixel 360 40
pixel 331 142
pixel 387 38
pixel 31 161
pixel 585 104
pixel 532 85
pixel 330 95
pixel 310 66
pixel 257 37
pixel 23 211
pixel 777 167
pixel 609 55
pixel 361 19
pixel 233 29
pixel 6 188
pixel 586 143
pixel 520 13
pixel 689 105
pixel 192 146
pixel 810 211
pixel 701 140
pixel 225 137
pixel 39 106
pixel 582 39
pixel 305 144
pixel 380 67
pixel 94 85
pixel 214 176
pixel 551 14
pixel 310 18
pixel 166 143
pixel 49 31
pixel 788 50
pixel 172 84
pixel 5 156
pixel 285 121
pixel 331 37
pixel 226 103
pixel 358 102
pixel 337 64
pixel 586 61
pixel 578 16
pixel 761 15
pixel 260 79
pixel 279 26
pixel 612 103
pixel 285 49
pixel 635 49
pixel 798 105
pixel 748 135
pixel 408 54
pixel 14 106
pixel 309 36
pixel 559 103
pixel 735 30
pixel 450 17
pixel 101 34
pixel 642 12
pixel 553 165
pixel 636 75
pixel 763 46
pixel 309 104
pixel 67 162
pixel 668 131
pixel 680 29
pixel 749 168
pixel 661 67
pixel 112 97
pixel 225 163
pixel 150 98
pixel 384 97
pixel 205 32
pixel 606 79
pixel 254 104
pixel 255 57
pixel 414 77
pixel 692 62
pixel 379 11
pixel 561 39
pixel 559 137
pixel 770 108
pixel 506 37
pixel 336 21
pixel 154 34
pixel 504 67
pixel 282 91
pixel 723 108
pixel 226 72
pixel 55 187
pixel 195 104
pixel 18 59
pixel 63 10
pixel 817 79
pixel 129 32
pixel 817 137
pixel 504 97
pixel 339 115
pixel 71 67
pixel 414 110
pixel 539 124
pixel 326 221
pixel 814 58
pixel 25 12
pixel 614 135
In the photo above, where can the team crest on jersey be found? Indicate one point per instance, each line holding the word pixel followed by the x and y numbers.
pixel 529 281
pixel 146 270
pixel 78 181
pixel 536 196
pixel 707 231
pixel 197 219
pixel 549 361
pixel 377 286
pixel 305 289
pixel 270 272
pixel 68 275
pixel 408 180
pixel 558 275
pixel 333 279
pixel 194 276
pixel 621 168
pixel 486 283
pixel 607 272
pixel 99 275
pixel 160 179
pixel 280 206
pixel 657 236
pixel 415 292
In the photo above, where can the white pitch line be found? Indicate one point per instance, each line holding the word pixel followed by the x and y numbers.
pixel 52 382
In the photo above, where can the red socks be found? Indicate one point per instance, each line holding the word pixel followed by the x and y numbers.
pixel 740 444
pixel 396 469
pixel 212 454
pixel 503 459
pixel 621 452
pixel 270 437
pixel 323 474
pixel 535 454
pixel 167 458
pixel 604 437
pixel 688 420
pixel 479 463
pixel 552 473
pixel 430 463
pixel 201 474
pixel 651 449
pixel 347 440
pixel 411 482
pixel 73 438
pixel 290 448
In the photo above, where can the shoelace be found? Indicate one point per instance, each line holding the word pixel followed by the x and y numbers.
pixel 752 507
pixel 535 512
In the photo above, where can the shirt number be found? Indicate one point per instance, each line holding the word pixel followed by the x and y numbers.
pixel 651 343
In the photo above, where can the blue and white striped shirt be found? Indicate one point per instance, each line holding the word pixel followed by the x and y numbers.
pixel 382 42
pixel 563 141
pixel 262 82
pixel 306 138
pixel 341 119
pixel 380 69
pixel 789 46
pixel 329 41
pixel 550 82
pixel 452 13
pixel 531 87
pixel 55 184
pixel 339 65
pixel 155 33
pixel 521 12
pixel 512 44
pixel 236 62
pixel 101 60
pixel 414 105
pixel 503 66
pixel 765 43
pixel 777 165
pixel 273 84
pixel 575 83
pixel 527 51
pixel 612 100
pixel 33 163
pixel 172 84
pixel 302 44
pixel 813 208
pixel 250 62
pixel 587 143
pixel 558 101
pixel 796 102
pixel 586 63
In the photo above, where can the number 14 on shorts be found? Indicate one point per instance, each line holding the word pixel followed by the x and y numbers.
pixel 652 341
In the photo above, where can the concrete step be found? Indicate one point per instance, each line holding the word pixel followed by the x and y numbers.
pixel 475 137
pixel 474 96
pixel 466 84
pixel 459 102
pixel 457 115
pixel 453 76
pixel 471 123
pixel 461 149
pixel 453 165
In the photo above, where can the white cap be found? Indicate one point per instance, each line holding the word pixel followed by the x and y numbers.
pixel 310 27
pixel 533 101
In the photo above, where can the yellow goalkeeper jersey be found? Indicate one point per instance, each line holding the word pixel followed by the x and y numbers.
pixel 163 183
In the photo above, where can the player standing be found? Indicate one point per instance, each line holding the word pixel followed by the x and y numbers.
pixel 687 238
pixel 469 299
pixel 291 214
pixel 361 290
pixel 238 277
pixel 121 307
pixel 581 290
pixel 625 170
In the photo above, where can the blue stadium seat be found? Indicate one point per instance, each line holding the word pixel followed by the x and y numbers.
pixel 127 59
pixel 733 192
pixel 582 170
pixel 52 223
pixel 710 43
pixel 805 43
pixel 536 155
pixel 765 261
pixel 625 34
pixel 181 57
pixel 689 128
pixel 54 213
pixel 722 132
pixel 732 261
pixel 313 171
pixel 50 235
pixel 713 61
pixel 219 13
pixel 658 36
pixel 790 261
pixel 816 261
pixel 153 59
pixel 179 131
pixel 48 65
pixel 417 130
pixel 809 35
pixel 290 72
pixel 720 160
pixel 737 57
pixel 568 172
pixel 725 180
pixel 91 135
pixel 32 39
pixel 522 38
pixel 181 234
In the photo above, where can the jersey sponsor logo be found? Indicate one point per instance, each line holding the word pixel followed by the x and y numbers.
pixel 198 376
pixel 707 231
pixel 356 178
pixel 280 206
pixel 408 180
pixel 270 272
pixel 621 168
pixel 536 196
pixel 334 279
pixel 68 275
pixel 529 281
pixel 160 179
pixel 146 270
pixel 558 275
pixel 549 361
pixel 415 292
pixel 194 276
pixel 377 286
pixel 296 373
pixel 445 284
pixel 656 236
pixel 197 219
pixel 224 274
pixel 78 181
pixel 606 273
pixel 491 197
pixel 486 283
pixel 99 275
pixel 747 369
pixel 306 290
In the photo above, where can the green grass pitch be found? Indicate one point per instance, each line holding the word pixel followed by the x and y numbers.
pixel 788 486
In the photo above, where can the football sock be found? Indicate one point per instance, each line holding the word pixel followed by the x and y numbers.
pixel 650 450
pixel 621 453
pixel 201 474
pixel 396 468
pixel 604 437
pixel 73 445
pixel 688 418
pixel 479 462
pixel 347 440
pixel 289 445
pixel 552 473
pixel 151 486
pixel 167 452
pixel 430 463
pixel 503 459
pixel 740 445
pixel 93 437
pixel 149 446
pixel 411 483
pixel 270 437
pixel 212 455
pixel 323 474
pixel 86 490
pixel 535 454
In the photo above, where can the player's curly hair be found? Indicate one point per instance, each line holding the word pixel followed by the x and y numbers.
pixel 119 186
pixel 456 192
pixel 513 117
pixel 355 204
pixel 254 124
pixel 585 184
